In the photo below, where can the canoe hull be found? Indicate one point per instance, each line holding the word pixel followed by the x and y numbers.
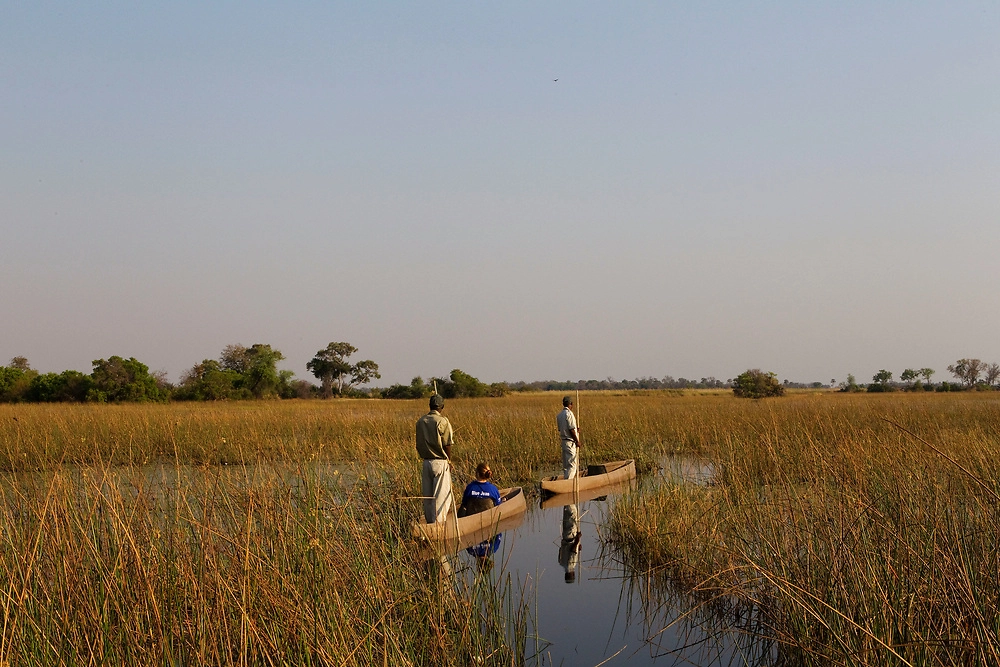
pixel 617 472
pixel 428 549
pixel 451 529
pixel 560 499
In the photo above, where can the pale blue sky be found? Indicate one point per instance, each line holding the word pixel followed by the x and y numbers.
pixel 808 188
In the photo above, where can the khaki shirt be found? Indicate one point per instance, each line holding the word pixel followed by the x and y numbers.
pixel 433 433
pixel 567 424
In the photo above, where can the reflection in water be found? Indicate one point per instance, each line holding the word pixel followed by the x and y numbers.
pixel 483 552
pixel 614 614
pixel 569 545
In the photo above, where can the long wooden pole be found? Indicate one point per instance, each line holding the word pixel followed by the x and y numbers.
pixel 579 455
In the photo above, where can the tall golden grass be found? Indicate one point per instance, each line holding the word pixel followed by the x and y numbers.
pixel 518 432
pixel 221 533
pixel 856 530
pixel 849 540
pixel 241 565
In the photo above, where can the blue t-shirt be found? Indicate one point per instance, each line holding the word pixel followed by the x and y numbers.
pixel 485 548
pixel 477 489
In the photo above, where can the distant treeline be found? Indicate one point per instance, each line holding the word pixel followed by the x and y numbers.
pixel 243 373
pixel 611 384
pixel 972 375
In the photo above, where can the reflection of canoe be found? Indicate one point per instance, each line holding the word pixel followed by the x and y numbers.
pixel 560 499
pixel 513 504
pixel 595 477
pixel 441 547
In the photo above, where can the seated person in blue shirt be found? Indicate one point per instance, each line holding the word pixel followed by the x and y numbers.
pixel 481 494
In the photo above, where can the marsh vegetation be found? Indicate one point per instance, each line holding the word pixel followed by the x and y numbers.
pixel 851 530
pixel 854 529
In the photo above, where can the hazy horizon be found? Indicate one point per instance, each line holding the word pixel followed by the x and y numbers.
pixel 557 192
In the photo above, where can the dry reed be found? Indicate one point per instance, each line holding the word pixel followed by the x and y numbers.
pixel 852 541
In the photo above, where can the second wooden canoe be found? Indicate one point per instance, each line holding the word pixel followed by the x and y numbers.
pixel 452 528
pixel 595 477
pixel 559 499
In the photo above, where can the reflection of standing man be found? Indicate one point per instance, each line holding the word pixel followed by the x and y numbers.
pixel 434 440
pixel 569 546
pixel 570 435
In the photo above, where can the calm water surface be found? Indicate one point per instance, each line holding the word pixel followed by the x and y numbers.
pixel 589 609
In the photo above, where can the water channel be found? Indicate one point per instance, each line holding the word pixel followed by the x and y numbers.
pixel 588 608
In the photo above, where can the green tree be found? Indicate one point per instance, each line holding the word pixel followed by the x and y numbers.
pixel 497 389
pixel 755 383
pixel 20 363
pixel 881 381
pixel 68 386
pixel 261 376
pixel 209 381
pixel 460 384
pixel 968 371
pixel 117 380
pixel 913 376
pixel 850 385
pixel 240 373
pixel 235 358
pixel 286 385
pixel 332 368
pixel 15 381
pixel 991 374
pixel 416 389
pixel 364 372
pixel 926 373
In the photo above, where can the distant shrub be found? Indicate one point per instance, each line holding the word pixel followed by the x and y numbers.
pixel 416 389
pixel 851 386
pixel 14 383
pixel 755 383
pixel 65 387
pixel 950 386
pixel 462 385
pixel 118 380
pixel 882 382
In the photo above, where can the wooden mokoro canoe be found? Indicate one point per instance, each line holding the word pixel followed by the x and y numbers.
pixel 560 499
pixel 436 548
pixel 452 528
pixel 595 476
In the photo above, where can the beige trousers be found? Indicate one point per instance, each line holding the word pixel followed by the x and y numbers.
pixel 435 487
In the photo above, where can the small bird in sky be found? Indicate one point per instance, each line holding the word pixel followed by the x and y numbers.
pixel 555 79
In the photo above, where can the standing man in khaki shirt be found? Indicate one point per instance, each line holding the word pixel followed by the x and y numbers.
pixel 434 441
pixel 569 435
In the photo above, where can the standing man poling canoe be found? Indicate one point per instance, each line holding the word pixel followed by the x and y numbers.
pixel 570 435
pixel 434 441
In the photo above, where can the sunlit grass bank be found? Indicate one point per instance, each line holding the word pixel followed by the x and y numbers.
pixel 849 539
pixel 518 433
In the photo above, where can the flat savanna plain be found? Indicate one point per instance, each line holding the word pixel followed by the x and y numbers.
pixel 851 529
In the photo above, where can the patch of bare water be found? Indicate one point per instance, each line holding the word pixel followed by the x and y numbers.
pixel 590 609
pixel 686 469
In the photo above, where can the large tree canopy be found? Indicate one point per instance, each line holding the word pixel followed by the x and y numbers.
pixel 116 379
pixel 968 371
pixel 755 383
pixel 332 368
